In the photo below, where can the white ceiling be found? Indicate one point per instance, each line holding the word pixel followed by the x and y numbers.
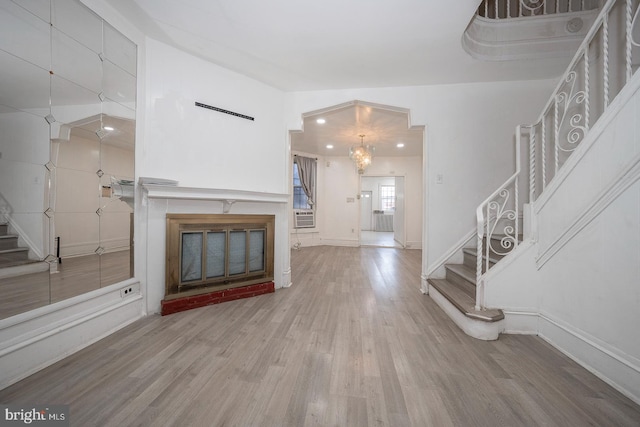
pixel 298 45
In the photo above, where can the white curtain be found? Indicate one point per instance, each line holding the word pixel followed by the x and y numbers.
pixel 307 173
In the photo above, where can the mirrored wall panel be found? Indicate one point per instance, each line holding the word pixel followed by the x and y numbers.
pixel 67 128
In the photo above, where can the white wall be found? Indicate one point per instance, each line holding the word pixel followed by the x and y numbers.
pixel 577 286
pixel 204 148
pixel 207 149
pixel 469 140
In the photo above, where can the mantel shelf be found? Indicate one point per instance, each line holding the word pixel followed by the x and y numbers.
pixel 159 191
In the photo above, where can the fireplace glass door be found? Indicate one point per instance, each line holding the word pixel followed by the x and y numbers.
pixel 218 255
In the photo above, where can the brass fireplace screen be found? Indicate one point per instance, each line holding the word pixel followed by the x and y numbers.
pixel 211 252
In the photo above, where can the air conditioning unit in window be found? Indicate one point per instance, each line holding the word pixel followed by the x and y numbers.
pixel 304 219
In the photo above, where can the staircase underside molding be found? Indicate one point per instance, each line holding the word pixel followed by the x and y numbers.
pixel 536 37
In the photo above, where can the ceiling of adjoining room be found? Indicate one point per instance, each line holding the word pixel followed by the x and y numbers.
pixel 119 132
pixel 297 45
pixel 383 127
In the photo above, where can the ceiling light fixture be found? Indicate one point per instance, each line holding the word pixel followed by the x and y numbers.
pixel 329 146
pixel 108 128
pixel 321 121
pixel 400 145
pixel 362 155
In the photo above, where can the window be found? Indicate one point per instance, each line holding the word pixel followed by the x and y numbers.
pixel 387 197
pixel 300 199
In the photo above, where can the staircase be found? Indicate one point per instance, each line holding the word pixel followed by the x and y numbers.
pixel 10 253
pixel 14 260
pixel 459 284
pixel 605 62
pixel 458 288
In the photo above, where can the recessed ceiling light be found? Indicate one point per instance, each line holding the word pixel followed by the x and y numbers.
pixel 321 121
pixel 329 146
pixel 108 128
pixel 400 145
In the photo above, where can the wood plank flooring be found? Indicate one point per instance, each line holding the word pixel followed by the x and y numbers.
pixel 352 343
pixel 75 276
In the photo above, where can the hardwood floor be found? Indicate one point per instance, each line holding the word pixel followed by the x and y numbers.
pixel 75 276
pixel 352 343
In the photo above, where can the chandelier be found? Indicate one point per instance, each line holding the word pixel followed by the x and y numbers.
pixel 361 154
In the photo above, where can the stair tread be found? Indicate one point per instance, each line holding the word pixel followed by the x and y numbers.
pixel 463 302
pixel 17 262
pixel 12 250
pixel 8 236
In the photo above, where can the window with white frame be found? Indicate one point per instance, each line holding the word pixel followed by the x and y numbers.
pixel 387 197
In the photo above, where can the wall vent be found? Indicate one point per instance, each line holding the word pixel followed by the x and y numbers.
pixel 304 219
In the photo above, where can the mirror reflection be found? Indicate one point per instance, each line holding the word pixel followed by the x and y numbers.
pixel 67 126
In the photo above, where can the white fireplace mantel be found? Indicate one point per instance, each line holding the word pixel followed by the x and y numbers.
pixel 153 226
pixel 227 197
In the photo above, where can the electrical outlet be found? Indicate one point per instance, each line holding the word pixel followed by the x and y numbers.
pixel 130 290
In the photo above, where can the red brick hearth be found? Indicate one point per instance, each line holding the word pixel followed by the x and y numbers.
pixel 187 303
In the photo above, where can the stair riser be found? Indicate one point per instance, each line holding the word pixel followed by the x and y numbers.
pixel 3 229
pixel 13 256
pixel 459 281
pixel 470 261
pixel 8 243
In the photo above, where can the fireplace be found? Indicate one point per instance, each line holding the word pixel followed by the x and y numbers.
pixel 216 257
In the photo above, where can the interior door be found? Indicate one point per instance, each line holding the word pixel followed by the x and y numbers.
pixel 398 215
pixel 366 210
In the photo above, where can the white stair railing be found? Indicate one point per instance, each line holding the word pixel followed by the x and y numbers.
pixel 604 63
pixel 503 9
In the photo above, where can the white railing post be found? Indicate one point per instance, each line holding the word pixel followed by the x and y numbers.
pixel 532 164
pixel 543 150
pixel 556 136
pixel 605 59
pixel 480 235
pixel 516 191
pixel 586 87
pixel 628 39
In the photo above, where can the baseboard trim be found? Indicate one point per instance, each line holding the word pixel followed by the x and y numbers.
pixel 620 371
pixel 521 322
pixel 339 242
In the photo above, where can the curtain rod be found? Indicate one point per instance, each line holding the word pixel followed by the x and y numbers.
pixel 296 155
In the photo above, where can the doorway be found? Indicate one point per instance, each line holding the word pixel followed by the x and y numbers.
pixel 382 211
